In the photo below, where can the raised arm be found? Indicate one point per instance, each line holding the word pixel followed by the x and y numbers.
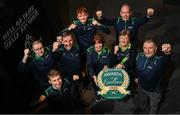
pixel 146 18
pixel 23 63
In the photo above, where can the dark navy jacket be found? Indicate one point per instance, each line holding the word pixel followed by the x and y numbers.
pixel 96 62
pixel 149 70
pixel 127 58
pixel 132 25
pixel 39 66
pixel 130 53
pixel 64 100
pixel 52 91
pixel 85 33
pixel 69 62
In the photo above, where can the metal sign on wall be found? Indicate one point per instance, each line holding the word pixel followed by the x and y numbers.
pixel 14 32
pixel 15 23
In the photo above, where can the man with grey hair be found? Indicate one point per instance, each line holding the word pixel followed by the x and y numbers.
pixel 149 69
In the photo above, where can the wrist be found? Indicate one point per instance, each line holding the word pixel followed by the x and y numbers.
pixel 148 16
pixel 24 60
pixel 54 49
pixel 25 57
pixel 69 28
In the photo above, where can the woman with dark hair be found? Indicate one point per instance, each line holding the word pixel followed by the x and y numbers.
pixel 98 58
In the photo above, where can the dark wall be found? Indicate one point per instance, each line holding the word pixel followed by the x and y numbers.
pixel 172 2
pixel 22 19
pixel 91 5
pixel 20 22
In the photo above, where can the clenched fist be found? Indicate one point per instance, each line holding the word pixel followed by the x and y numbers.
pixel 72 26
pixel 116 48
pixel 166 48
pixel 55 46
pixel 95 23
pixel 26 52
pixel 26 55
pixel 59 39
pixel 75 77
pixel 150 12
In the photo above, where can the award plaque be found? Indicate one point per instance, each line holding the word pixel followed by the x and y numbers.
pixel 113 83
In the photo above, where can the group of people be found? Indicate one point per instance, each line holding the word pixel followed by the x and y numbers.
pixel 79 54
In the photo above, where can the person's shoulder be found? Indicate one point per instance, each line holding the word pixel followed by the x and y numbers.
pixel 76 47
pixel 90 49
pixel 76 22
pixel 133 47
pixel 90 19
pixel 61 48
pixel 118 19
pixel 140 55
pixel 49 90
pixel 133 18
pixel 48 48
pixel 66 84
pixel 106 49
pixel 158 57
pixel 32 57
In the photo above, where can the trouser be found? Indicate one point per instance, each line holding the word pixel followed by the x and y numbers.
pixel 132 85
pixel 96 88
pixel 146 97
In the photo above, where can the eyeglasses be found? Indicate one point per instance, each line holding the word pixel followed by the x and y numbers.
pixel 37 49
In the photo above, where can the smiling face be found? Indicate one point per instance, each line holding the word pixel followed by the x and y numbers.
pixel 68 42
pixel 98 42
pixel 82 17
pixel 124 40
pixel 98 46
pixel 125 12
pixel 149 49
pixel 56 81
pixel 38 48
pixel 82 14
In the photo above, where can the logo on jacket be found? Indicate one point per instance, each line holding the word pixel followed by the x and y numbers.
pixel 130 27
pixel 113 83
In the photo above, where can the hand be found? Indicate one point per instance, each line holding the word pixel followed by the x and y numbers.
pixel 96 23
pixel 116 48
pixel 55 46
pixel 72 26
pixel 99 14
pixel 42 98
pixel 150 12
pixel 119 66
pixel 166 48
pixel 26 55
pixel 26 52
pixel 105 67
pixel 59 39
pixel 75 77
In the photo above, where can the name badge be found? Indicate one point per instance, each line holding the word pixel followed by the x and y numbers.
pixel 130 27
